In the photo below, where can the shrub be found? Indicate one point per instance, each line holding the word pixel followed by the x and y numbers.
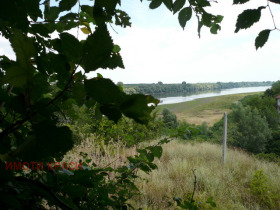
pixel 261 190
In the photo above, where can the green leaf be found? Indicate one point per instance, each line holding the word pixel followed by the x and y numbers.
pixel 157 151
pixel 207 19
pixel 116 49
pixel 247 18
pixel 85 30
pixel 18 75
pixel 168 4
pixel 262 38
pixel 113 62
pixel 111 112
pixel 71 47
pixel 66 4
pixel 79 93
pixel 23 47
pixel 214 28
pixel 98 88
pixel 52 13
pixel 69 16
pixel 97 49
pixel 203 3
pixel 137 107
pixel 178 4
pixel 150 157
pixel 155 4
pixel 184 16
pixel 240 1
pixel 99 75
pixel 40 29
pixel 219 19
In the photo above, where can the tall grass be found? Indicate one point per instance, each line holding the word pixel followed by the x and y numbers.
pixel 229 184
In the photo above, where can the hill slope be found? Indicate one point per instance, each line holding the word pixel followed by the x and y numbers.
pixel 229 184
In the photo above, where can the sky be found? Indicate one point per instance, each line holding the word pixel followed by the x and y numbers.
pixel 156 48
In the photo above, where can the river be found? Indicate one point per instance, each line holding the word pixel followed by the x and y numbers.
pixel 179 99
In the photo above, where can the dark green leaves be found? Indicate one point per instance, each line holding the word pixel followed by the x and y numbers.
pixel 114 102
pixel 240 1
pixel 155 4
pixel 214 28
pixel 71 47
pixel 104 91
pixel 168 4
pixel 18 75
pixel 139 107
pixel 97 49
pixel 157 151
pixel 184 16
pixel 22 46
pixel 178 4
pixel 247 18
pixel 20 72
pixel 66 4
pixel 52 13
pixel 262 38
pixel 40 29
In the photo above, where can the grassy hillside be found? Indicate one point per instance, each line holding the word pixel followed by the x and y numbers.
pixel 208 110
pixel 229 184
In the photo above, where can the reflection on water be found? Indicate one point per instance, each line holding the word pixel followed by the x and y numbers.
pixel 178 98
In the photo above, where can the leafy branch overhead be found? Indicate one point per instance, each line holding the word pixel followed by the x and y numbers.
pixel 251 16
pixel 186 9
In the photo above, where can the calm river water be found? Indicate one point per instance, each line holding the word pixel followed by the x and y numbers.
pixel 179 99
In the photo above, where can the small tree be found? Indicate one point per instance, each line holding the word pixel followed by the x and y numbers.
pixel 169 119
pixel 253 129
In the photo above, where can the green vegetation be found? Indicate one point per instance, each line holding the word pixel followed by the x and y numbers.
pixel 161 88
pixel 233 186
pixel 254 124
pixel 49 108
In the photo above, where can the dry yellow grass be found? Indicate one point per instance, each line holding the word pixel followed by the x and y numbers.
pixel 228 184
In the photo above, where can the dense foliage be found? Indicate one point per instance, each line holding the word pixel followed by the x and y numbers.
pixel 253 124
pixel 185 88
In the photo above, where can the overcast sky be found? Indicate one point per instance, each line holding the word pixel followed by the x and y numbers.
pixel 156 48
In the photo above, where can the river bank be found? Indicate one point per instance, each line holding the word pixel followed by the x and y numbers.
pixel 209 110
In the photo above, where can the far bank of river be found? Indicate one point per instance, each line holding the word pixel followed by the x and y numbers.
pixel 179 99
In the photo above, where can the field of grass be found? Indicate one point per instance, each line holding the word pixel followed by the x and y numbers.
pixel 229 185
pixel 209 110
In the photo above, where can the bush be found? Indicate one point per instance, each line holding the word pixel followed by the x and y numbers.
pixel 253 129
pixel 261 190
pixel 169 119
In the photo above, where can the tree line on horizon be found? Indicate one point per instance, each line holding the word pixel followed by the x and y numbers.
pixel 161 88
